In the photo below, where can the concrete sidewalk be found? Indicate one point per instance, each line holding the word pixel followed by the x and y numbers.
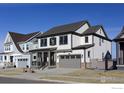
pixel 56 71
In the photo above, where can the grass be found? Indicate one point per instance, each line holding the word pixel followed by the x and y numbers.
pixel 97 73
pixel 11 72
pixel 91 76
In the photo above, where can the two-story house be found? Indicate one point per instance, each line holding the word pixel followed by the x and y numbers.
pixel 71 45
pixel 16 47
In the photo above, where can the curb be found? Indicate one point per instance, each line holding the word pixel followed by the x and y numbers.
pixel 58 81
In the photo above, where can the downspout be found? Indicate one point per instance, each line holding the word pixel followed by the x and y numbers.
pixel 85 64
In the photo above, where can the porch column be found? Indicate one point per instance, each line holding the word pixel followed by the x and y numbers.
pixel 85 63
pixel 30 59
pixel 42 56
pixel 37 59
pixel 48 58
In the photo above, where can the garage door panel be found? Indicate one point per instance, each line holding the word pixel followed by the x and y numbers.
pixel 70 63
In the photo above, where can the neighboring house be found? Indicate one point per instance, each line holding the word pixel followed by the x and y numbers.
pixel 120 47
pixel 71 45
pixel 16 47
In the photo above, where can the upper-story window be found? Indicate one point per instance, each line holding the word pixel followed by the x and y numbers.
pixel 99 41
pixel 43 42
pixel 102 40
pixel 86 39
pixel 23 47
pixel 63 40
pixel 7 48
pixel 27 47
pixel 53 41
pixel 35 41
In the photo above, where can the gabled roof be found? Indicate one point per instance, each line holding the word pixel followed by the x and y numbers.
pixel 118 37
pixel 67 28
pixel 93 30
pixel 17 37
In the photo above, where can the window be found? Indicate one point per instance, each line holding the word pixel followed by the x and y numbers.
pixel 5 57
pixel 67 57
pixel 7 48
pixel 63 40
pixel 23 47
pixel 26 59
pixel 1 58
pixel 102 55
pixel 27 47
pixel 53 41
pixel 34 57
pixel 62 57
pixel 86 39
pixel 99 41
pixel 102 40
pixel 35 41
pixel 43 42
pixel 78 56
pixel 39 55
pixel 72 56
pixel 88 54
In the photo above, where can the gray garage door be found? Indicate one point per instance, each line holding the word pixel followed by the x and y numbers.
pixel 70 61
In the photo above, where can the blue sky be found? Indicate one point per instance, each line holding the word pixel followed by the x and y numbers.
pixel 26 18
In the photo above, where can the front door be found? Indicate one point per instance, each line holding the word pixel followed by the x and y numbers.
pixel 11 58
pixel 52 59
pixel 45 57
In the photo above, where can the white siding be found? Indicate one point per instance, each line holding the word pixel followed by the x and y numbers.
pixel 90 41
pixel 76 40
pixel 100 32
pixel 98 50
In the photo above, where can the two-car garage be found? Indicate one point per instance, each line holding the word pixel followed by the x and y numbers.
pixel 70 61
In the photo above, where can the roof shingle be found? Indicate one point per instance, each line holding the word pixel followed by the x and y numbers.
pixel 17 37
pixel 64 29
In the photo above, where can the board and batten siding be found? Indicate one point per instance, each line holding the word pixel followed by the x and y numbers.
pixel 98 50
pixel 100 32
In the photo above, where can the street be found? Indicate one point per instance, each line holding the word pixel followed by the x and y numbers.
pixel 23 81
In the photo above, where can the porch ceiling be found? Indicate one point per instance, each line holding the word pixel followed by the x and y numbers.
pixel 44 49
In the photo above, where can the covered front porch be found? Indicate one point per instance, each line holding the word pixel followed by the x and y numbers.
pixel 120 52
pixel 42 58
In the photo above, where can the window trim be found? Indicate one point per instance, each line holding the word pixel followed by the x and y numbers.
pixel 62 42
pixel 88 54
pixel 54 38
pixel 86 39
pixel 44 40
